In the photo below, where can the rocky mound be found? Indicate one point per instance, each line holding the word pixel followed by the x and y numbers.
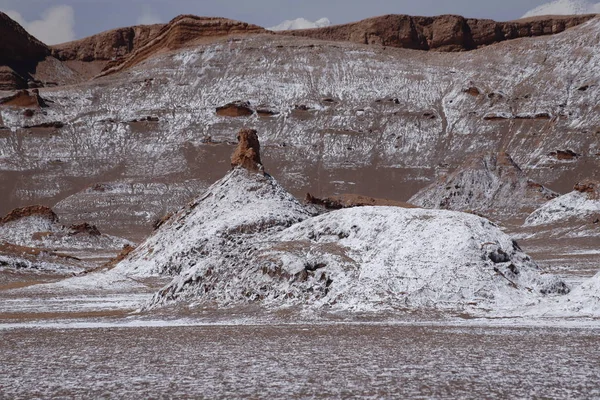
pixel 442 33
pixel 248 240
pixel 582 206
pixel 182 31
pixel 585 299
pixel 370 258
pixel 33 236
pixel 28 259
pixel 491 184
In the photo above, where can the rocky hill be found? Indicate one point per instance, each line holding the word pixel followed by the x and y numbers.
pixel 492 184
pixel 443 33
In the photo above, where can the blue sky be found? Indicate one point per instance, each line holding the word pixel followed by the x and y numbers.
pixel 58 20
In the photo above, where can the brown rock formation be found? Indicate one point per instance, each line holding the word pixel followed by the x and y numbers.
pixel 589 186
pixel 353 200
pixel 30 211
pixel 18 46
pixel 25 99
pixel 564 155
pixel 19 54
pixel 237 109
pixel 183 31
pixel 247 153
pixel 442 33
pixel 107 45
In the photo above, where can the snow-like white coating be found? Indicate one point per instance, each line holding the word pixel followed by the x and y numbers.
pixel 564 7
pixel 240 204
pixel 371 258
pixel 300 23
pixel 574 205
pixel 243 241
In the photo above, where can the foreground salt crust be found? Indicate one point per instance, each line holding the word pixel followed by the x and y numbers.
pixel 248 240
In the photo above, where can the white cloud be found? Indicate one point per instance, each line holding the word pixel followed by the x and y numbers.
pixel 300 23
pixel 564 7
pixel 148 17
pixel 56 25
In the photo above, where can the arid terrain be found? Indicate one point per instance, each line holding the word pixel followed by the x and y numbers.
pixel 421 194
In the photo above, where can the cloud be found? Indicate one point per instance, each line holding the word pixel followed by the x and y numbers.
pixel 300 23
pixel 56 25
pixel 148 17
pixel 565 7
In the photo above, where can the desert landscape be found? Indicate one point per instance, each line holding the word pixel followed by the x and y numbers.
pixel 401 206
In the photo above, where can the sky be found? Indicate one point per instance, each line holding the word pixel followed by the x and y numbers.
pixel 57 21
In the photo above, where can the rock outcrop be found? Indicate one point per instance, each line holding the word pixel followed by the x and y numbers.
pixel 30 211
pixel 107 46
pixel 443 33
pixel 183 31
pixel 589 187
pixel 19 54
pixel 353 200
pixel 17 46
pixel 491 184
pixel 247 153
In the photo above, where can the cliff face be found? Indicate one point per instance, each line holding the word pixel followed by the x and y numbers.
pixel 19 54
pixel 443 33
pixel 182 31
pixel 107 45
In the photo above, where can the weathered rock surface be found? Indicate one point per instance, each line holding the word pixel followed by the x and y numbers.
pixel 443 33
pixel 247 153
pixel 24 98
